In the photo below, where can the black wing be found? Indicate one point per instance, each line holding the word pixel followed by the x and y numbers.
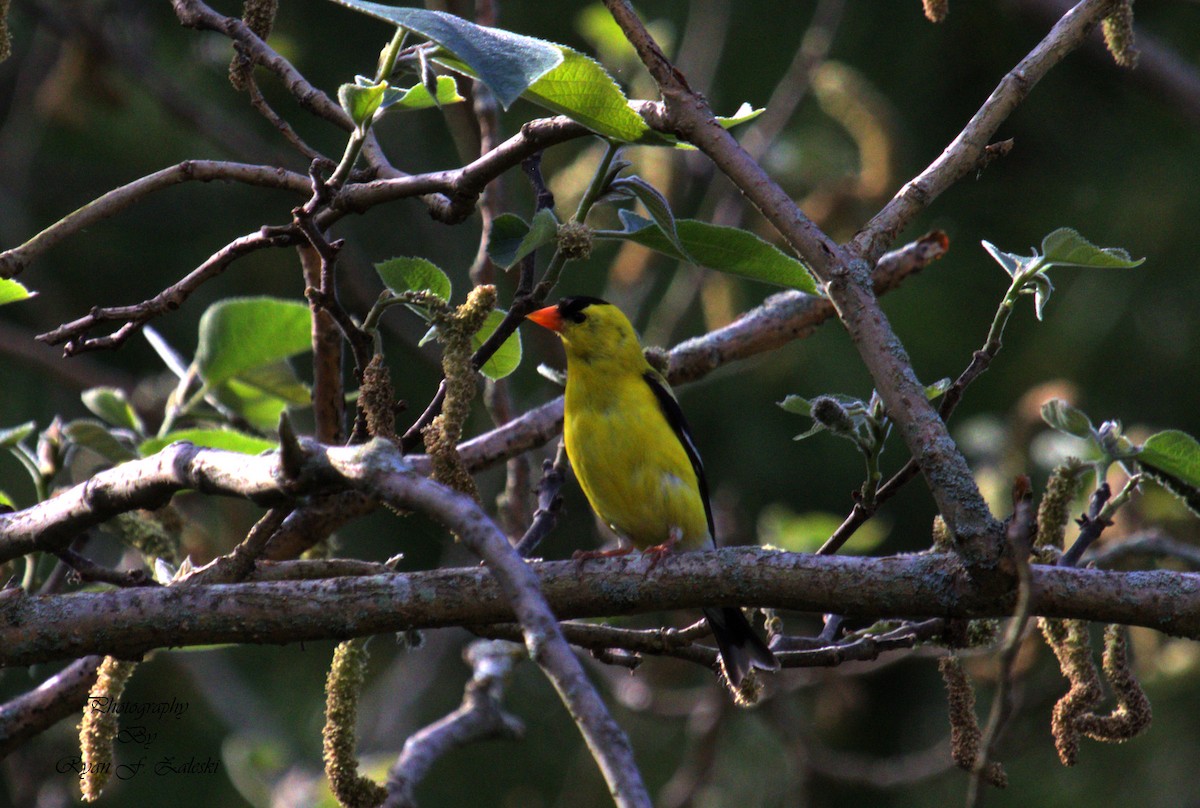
pixel 674 415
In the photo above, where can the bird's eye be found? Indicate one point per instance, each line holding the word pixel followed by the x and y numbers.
pixel 576 316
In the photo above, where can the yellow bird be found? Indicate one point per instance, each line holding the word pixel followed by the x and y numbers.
pixel 634 457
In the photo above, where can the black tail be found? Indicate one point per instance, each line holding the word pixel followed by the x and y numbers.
pixel 741 648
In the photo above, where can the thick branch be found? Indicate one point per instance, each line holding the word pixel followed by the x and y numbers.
pixel 127 622
pixel 375 467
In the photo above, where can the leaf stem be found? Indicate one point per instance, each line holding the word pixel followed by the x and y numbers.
pixel 387 63
pixel 599 180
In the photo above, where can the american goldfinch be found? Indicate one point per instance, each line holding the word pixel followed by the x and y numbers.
pixel 634 456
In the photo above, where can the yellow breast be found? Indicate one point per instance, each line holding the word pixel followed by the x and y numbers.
pixel 631 466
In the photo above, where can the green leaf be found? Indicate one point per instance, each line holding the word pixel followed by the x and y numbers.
pixel 259 395
pixel 277 380
pixel 13 291
pixel 584 91
pixel 512 239
pixel 240 334
pixel 797 405
pixel 1175 453
pixel 7 502
pixel 13 435
pixel 111 405
pixel 1065 418
pixel 507 63
pixel 728 249
pixel 1012 263
pixel 227 439
pixel 361 99
pixel 97 437
pixel 580 89
pixel 779 526
pixel 506 359
pixel 1042 289
pixel 745 112
pixel 1065 247
pixel 937 389
pixel 418 97
pixel 656 205
pixel 414 275
pixel 1172 459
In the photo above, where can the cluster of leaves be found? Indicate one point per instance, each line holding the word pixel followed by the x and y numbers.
pixel 1170 457
pixel 230 395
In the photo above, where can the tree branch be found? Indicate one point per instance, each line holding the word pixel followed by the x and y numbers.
pixel 128 622
pixel 375 467
pixel 480 717
pixel 169 299
pixel 847 280
pixel 963 154
pixel 110 204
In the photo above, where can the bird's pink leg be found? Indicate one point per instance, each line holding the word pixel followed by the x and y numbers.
pixel 658 552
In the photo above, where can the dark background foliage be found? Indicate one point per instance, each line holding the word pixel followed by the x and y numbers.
pixel 1095 148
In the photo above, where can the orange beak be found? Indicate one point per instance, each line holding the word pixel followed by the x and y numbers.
pixel 548 317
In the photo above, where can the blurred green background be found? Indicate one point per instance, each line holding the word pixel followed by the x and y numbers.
pixel 103 93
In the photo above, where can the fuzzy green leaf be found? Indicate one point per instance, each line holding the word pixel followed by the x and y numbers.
pixel 727 249
pixel 261 394
pixel 227 439
pixel 1065 418
pixel 1065 247
pixel 656 205
pixel 508 357
pixel 239 334
pixel 111 405
pixel 414 275
pixel 580 88
pixel 418 97
pixel 1174 452
pixel 13 291
pixel 361 99
pixel 796 404
pixel 1011 263
pixel 584 91
pixel 13 435
pixel 512 239
pixel 1042 289
pixel 937 389
pixel 507 63
pixel 97 437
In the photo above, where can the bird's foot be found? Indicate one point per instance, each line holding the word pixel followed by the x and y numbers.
pixel 658 552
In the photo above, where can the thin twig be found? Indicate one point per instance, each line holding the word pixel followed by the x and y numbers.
pixel 87 570
pixel 135 316
pixel 960 158
pixel 117 200
pixel 1101 509
pixel 479 717
pixel 1019 535
pixel 549 501
pixel 328 392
